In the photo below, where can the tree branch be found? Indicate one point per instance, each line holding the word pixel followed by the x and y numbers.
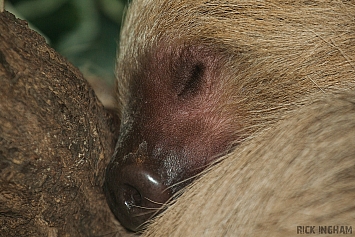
pixel 55 142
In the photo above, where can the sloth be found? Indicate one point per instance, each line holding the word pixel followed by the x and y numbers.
pixel 197 79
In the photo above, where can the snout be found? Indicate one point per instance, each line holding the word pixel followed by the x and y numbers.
pixel 134 192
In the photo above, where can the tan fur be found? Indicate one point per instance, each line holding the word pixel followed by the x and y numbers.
pixel 272 52
pixel 272 58
pixel 300 172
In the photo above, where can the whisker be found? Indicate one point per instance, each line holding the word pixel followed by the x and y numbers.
pixel 145 213
pixel 146 208
pixel 155 202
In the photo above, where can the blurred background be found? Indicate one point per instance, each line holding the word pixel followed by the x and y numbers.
pixel 86 32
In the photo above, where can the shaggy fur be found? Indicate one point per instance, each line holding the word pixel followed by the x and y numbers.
pixel 261 60
pixel 300 172
pixel 271 53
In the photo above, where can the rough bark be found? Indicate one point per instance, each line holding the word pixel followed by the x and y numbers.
pixel 55 142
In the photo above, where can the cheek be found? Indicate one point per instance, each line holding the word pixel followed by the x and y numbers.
pixel 200 132
pixel 200 127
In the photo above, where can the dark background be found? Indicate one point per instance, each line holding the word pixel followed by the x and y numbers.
pixel 86 32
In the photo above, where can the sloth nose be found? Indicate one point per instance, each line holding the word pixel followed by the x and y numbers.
pixel 135 194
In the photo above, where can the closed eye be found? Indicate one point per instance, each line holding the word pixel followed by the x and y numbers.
pixel 191 80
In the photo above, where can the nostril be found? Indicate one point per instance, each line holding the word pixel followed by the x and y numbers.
pixel 131 196
pixel 135 194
